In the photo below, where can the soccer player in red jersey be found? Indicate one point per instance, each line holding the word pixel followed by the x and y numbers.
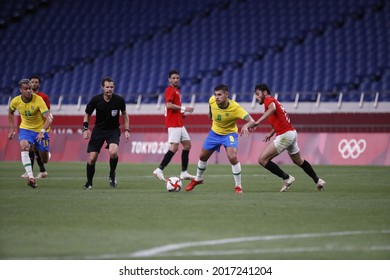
pixel 177 133
pixel 35 82
pixel 35 85
pixel 286 139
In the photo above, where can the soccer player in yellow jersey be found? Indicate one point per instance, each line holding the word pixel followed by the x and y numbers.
pixel 224 114
pixel 36 119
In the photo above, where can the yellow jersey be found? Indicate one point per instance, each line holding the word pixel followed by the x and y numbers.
pixel 225 120
pixel 31 112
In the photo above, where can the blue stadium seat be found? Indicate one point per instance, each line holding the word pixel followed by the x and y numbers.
pixel 305 46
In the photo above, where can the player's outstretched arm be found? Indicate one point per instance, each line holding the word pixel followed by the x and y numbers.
pixel 249 123
pixel 271 109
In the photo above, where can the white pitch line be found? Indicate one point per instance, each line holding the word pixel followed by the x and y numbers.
pixel 277 250
pixel 158 250
pixel 161 250
pixel 132 177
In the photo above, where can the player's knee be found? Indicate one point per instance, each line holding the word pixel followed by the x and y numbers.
pixel 262 161
pixel 297 159
pixel 24 147
pixel 113 154
pixel 298 162
pixel 233 159
pixel 174 147
pixel 204 157
pixel 92 160
pixel 187 147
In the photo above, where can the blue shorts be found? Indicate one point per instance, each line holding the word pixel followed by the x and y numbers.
pixel 31 137
pixel 214 141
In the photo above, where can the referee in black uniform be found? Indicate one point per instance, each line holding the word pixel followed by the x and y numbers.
pixel 108 106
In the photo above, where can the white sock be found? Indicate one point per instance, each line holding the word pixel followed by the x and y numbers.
pixel 236 169
pixel 202 165
pixel 27 163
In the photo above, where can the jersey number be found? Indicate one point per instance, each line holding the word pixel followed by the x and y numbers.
pixel 45 143
pixel 284 112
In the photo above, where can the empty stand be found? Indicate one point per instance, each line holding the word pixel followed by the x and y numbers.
pixel 294 46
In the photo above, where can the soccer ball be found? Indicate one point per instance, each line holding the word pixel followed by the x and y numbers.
pixel 173 184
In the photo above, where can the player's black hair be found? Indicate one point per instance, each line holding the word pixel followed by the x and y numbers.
pixel 107 79
pixel 36 77
pixel 222 87
pixel 172 72
pixel 263 87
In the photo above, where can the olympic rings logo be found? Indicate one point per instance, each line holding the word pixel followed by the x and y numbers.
pixel 352 148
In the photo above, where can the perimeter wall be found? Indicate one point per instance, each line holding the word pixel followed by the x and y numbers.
pixel 335 138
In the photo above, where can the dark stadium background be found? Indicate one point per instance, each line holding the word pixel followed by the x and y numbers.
pixel 326 61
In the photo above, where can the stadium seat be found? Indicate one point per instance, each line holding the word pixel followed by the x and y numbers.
pixel 306 46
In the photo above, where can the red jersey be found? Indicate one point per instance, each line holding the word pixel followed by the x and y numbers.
pixel 279 120
pixel 45 98
pixel 173 118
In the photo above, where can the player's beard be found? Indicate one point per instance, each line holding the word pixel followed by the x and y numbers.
pixel 27 98
pixel 261 102
pixel 223 105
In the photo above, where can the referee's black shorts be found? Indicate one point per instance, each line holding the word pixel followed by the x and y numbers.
pixel 99 136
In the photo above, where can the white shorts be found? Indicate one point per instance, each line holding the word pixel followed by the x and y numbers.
pixel 287 141
pixel 177 134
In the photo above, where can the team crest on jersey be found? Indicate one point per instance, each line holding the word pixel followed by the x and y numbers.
pixel 114 113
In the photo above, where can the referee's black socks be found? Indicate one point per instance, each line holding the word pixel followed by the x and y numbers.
pixel 90 173
pixel 113 164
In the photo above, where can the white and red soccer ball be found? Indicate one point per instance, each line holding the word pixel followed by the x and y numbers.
pixel 173 184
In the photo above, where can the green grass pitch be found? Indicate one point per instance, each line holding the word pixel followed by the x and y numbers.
pixel 141 220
